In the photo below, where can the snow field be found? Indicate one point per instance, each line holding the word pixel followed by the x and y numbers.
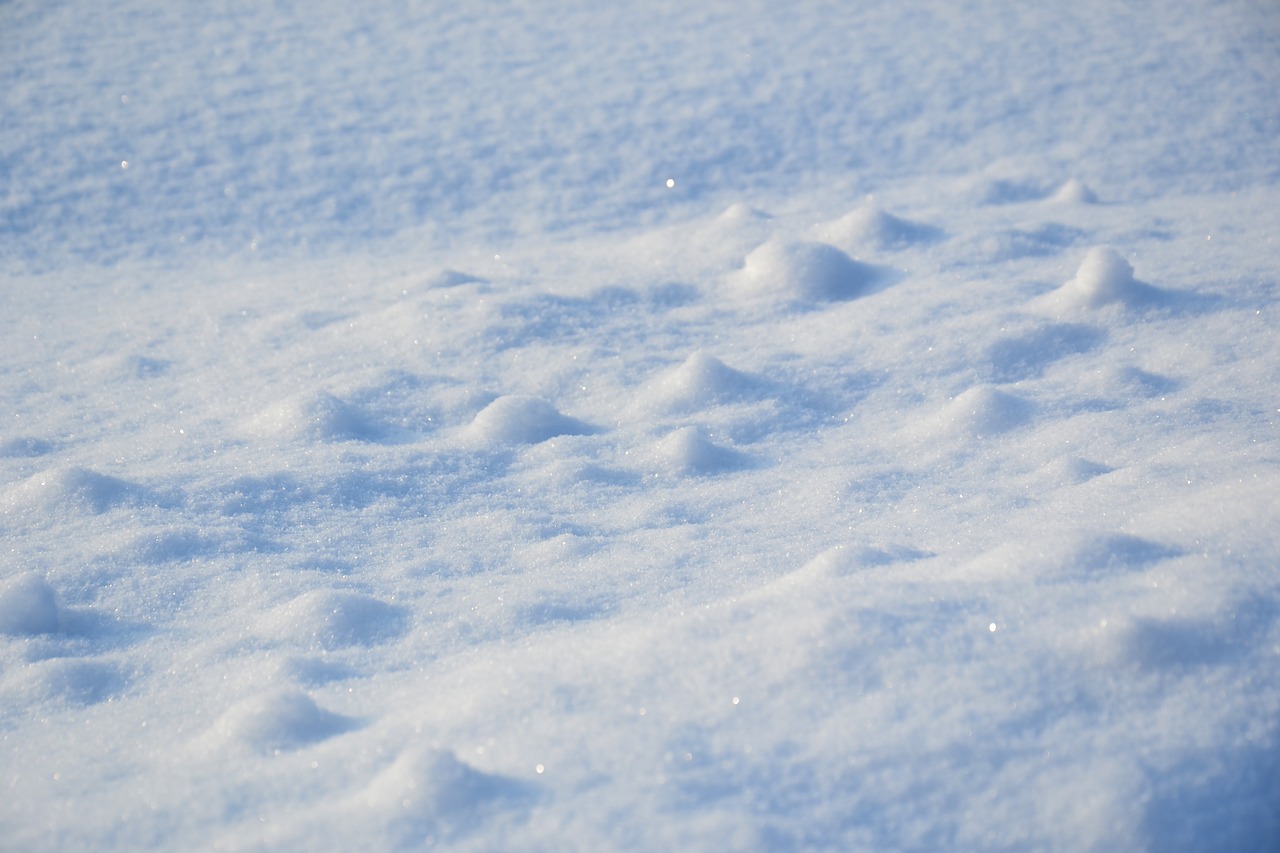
pixel 839 426
pixel 903 549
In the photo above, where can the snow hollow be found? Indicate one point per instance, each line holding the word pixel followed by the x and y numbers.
pixel 717 426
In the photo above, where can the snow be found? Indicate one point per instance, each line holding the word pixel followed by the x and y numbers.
pixel 812 272
pixel 1104 278
pixel 28 606
pixel 839 426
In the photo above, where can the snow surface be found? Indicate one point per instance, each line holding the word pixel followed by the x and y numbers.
pixel 710 426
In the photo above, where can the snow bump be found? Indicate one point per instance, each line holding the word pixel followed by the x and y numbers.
pixel 688 451
pixel 872 227
pixel 806 272
pixel 1104 278
pixel 521 419
pixel 28 606
pixel 431 788
pixel 284 720
pixel 316 416
pixel 979 412
pixel 70 681
pixel 1073 191
pixel 334 619
pixel 702 380
pixel 71 488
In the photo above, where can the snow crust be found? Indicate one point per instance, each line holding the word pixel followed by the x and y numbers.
pixel 661 426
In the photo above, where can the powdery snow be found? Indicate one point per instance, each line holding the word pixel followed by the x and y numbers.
pixel 690 427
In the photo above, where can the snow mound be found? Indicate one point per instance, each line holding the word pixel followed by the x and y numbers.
pixel 702 380
pixel 738 213
pixel 71 488
pixel 331 619
pixel 28 606
pixel 804 271
pixel 520 419
pixel 74 681
pixel 1073 191
pixel 735 231
pixel 284 720
pixel 873 227
pixel 431 787
pixel 1104 278
pixel 978 413
pixel 1073 471
pixel 688 451
pixel 316 416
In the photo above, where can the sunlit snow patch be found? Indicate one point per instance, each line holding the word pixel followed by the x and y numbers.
pixel 806 272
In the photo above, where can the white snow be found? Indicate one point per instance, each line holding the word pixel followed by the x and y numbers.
pixel 662 426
